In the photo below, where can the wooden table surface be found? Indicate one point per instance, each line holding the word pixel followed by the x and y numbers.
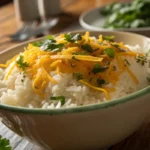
pixel 68 21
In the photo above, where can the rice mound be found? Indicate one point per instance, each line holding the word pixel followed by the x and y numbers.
pixel 17 93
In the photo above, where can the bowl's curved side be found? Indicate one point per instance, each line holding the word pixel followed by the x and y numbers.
pixel 88 130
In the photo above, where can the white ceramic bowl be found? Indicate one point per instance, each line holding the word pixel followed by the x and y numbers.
pixel 86 127
pixel 93 20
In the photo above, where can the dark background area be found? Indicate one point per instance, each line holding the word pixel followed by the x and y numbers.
pixel 3 2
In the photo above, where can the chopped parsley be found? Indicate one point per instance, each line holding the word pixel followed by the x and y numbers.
pixel 73 57
pixel 110 52
pixel 59 98
pixel 98 68
pixel 109 38
pixel 51 45
pixel 21 63
pixel 37 44
pixel 119 48
pixel 87 48
pixel 4 144
pixel 72 38
pixel 127 62
pixel 78 75
pixel 100 82
pixel 141 59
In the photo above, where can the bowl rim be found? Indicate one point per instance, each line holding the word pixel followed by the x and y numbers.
pixel 78 109
pixel 84 24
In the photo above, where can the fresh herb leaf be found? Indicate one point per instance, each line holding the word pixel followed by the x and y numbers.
pixel 100 82
pixel 141 59
pixel 109 38
pixel 4 144
pixel 59 98
pixel 72 38
pixel 127 62
pixel 110 52
pixel 40 43
pixel 77 37
pixel 119 48
pixel 73 57
pixel 21 63
pixel 87 48
pixel 50 37
pixel 98 68
pixel 37 44
pixel 78 76
pixel 51 45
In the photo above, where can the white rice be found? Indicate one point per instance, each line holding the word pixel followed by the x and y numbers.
pixel 17 90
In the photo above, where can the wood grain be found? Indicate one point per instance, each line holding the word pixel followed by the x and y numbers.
pixel 8 25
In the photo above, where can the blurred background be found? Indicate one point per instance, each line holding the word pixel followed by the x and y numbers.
pixel 22 20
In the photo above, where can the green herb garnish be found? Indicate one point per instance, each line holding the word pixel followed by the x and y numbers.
pixel 141 59
pixel 21 63
pixel 87 48
pixel 59 98
pixel 72 38
pixel 109 38
pixel 119 48
pixel 78 76
pixel 4 144
pixel 100 82
pixel 51 45
pixel 37 44
pixel 98 68
pixel 127 62
pixel 110 52
pixel 73 57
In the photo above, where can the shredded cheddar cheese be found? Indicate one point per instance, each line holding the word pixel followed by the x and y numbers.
pixel 89 60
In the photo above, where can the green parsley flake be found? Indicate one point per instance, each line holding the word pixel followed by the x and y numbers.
pixel 100 82
pixel 72 38
pixel 141 59
pixel 21 64
pixel 59 98
pixel 127 62
pixel 110 52
pixel 78 75
pixel 98 68
pixel 109 38
pixel 87 48
pixel 4 144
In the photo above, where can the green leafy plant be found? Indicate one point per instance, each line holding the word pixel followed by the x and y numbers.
pixel 4 144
